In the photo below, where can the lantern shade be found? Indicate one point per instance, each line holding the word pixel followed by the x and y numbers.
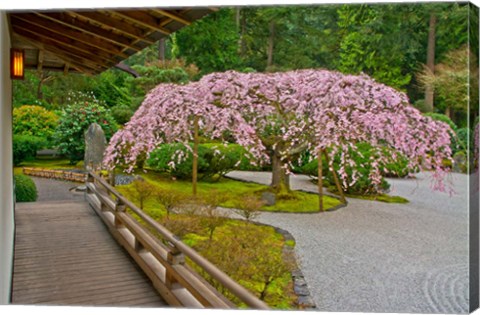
pixel 17 64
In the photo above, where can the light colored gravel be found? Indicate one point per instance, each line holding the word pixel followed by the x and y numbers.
pixel 378 257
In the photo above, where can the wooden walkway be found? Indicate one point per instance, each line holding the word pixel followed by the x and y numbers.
pixel 64 255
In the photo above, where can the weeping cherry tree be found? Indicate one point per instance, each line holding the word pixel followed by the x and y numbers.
pixel 278 115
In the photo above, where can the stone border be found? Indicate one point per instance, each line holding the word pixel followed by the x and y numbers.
pixel 300 286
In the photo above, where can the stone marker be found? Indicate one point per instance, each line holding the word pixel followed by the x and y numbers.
pixel 95 143
pixel 269 198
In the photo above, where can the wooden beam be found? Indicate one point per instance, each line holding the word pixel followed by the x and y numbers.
pixel 94 54
pixel 58 69
pixel 173 16
pixel 112 23
pixel 40 60
pixel 70 33
pixel 127 69
pixel 143 19
pixel 80 63
pixel 98 32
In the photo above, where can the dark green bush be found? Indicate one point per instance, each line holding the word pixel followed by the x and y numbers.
pixel 361 156
pixel 25 189
pixel 214 160
pixel 121 113
pixel 443 118
pixel 395 168
pixel 160 160
pixel 421 106
pixel 25 148
pixel 463 138
pixel 456 141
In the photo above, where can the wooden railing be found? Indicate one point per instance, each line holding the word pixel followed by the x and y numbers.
pixel 162 256
pixel 54 174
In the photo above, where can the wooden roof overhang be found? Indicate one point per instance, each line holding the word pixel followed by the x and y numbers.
pixel 92 41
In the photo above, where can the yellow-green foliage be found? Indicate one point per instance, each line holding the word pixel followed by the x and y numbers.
pixel 33 120
pixel 250 254
pixel 234 192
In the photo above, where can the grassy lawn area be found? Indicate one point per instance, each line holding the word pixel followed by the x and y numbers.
pixel 233 191
pixel 251 254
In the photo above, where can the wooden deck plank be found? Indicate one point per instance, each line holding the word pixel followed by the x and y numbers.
pixel 64 255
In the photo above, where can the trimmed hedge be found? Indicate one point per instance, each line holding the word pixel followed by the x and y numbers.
pixel 443 118
pixel 25 148
pixel 363 185
pixel 214 160
pixel 25 189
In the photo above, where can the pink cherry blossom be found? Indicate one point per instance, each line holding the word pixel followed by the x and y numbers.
pixel 304 109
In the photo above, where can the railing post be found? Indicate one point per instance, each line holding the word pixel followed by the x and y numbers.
pixel 119 207
pixel 89 179
pixel 174 257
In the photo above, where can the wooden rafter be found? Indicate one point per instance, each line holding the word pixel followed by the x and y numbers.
pixel 113 23
pixel 75 59
pixel 58 54
pixel 173 16
pixel 70 33
pixel 143 19
pixel 87 28
pixel 68 44
pixel 92 41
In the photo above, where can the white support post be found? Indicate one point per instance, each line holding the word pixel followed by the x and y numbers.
pixel 7 224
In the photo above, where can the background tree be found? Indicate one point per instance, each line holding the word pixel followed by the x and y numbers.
pixel 141 191
pixel 451 80
pixel 211 43
pixel 75 120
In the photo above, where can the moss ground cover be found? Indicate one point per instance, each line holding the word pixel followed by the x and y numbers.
pixel 251 254
pixel 232 191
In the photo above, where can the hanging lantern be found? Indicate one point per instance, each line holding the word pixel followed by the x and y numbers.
pixel 17 64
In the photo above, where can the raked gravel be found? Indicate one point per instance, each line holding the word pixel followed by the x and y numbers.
pixel 378 257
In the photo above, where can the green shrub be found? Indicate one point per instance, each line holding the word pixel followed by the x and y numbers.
pixel 214 160
pixel 395 168
pixel 122 113
pixel 36 121
pixel 361 156
pixel 25 189
pixel 75 120
pixel 421 106
pixel 25 148
pixel 443 118
pixel 462 139
pixel 151 76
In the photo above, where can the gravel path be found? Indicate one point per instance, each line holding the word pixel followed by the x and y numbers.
pixel 53 190
pixel 378 257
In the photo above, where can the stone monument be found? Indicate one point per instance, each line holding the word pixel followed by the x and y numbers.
pixel 95 143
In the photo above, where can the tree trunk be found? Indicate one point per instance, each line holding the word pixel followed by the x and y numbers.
pixel 271 41
pixel 161 51
pixel 430 60
pixel 237 18
pixel 280 178
pixel 39 86
pixel 448 112
pixel 195 156
pixel 242 29
pixel 320 181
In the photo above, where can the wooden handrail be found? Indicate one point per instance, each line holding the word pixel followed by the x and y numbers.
pixel 170 253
